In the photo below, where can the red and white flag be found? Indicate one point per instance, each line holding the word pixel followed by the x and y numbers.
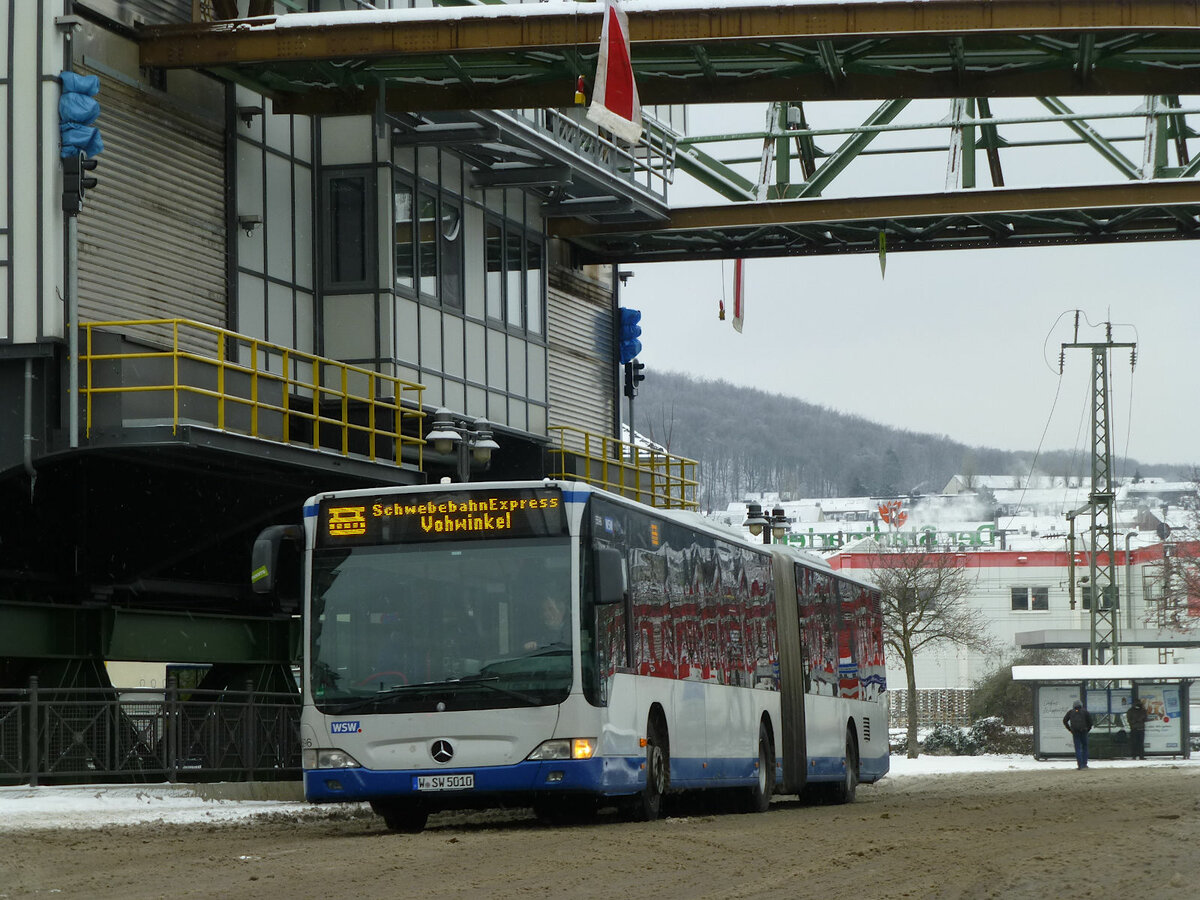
pixel 739 295
pixel 615 103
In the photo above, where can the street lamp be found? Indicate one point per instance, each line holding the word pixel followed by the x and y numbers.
pixel 774 525
pixel 469 439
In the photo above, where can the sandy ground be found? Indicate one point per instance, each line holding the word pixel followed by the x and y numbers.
pixel 1062 833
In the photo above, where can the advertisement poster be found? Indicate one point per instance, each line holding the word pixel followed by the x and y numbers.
pixel 1053 701
pixel 1164 727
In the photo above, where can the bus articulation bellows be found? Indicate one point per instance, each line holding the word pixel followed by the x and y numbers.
pixel 549 644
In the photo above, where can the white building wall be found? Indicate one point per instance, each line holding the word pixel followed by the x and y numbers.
pixel 31 255
pixel 994 576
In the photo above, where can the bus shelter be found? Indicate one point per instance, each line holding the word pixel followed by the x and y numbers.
pixel 1107 692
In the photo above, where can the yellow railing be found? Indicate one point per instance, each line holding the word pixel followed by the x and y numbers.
pixel 653 477
pixel 241 384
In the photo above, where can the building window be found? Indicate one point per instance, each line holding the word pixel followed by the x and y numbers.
pixel 450 253
pixel 1030 598
pixel 514 296
pixel 405 245
pixel 349 247
pixel 534 311
pixel 1085 596
pixel 494 261
pixel 427 244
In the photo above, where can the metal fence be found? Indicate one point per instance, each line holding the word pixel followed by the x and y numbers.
pixel 81 735
pixel 945 706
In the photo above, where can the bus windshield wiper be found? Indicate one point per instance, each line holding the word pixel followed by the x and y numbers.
pixel 486 681
pixel 386 694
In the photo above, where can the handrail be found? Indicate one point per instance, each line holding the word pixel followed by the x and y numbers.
pixel 268 391
pixel 654 477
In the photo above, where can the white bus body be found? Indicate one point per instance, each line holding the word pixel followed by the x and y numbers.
pixel 689 659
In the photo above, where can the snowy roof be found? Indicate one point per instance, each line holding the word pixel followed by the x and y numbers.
pixel 1151 672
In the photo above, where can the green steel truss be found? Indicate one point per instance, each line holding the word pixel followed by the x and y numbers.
pixel 976 57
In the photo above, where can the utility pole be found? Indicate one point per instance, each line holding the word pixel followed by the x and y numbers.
pixel 1104 645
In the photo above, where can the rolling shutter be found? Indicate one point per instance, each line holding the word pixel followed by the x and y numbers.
pixel 152 234
pixel 581 363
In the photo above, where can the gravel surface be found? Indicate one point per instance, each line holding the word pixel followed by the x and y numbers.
pixel 1058 832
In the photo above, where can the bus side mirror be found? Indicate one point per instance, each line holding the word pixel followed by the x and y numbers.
pixel 264 558
pixel 612 578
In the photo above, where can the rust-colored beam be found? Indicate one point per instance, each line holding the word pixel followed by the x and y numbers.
pixel 851 209
pixel 472 30
pixel 663 91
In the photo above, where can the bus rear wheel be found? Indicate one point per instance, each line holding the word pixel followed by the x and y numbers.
pixel 758 797
pixel 405 818
pixel 647 804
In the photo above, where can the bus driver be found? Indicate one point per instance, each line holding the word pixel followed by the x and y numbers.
pixel 554 627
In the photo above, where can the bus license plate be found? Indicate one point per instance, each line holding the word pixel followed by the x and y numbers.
pixel 462 782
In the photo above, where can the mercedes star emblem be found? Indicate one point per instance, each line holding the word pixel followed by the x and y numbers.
pixel 441 751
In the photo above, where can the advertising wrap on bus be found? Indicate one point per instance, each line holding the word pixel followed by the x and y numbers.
pixel 553 645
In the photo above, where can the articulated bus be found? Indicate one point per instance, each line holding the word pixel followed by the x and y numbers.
pixel 549 644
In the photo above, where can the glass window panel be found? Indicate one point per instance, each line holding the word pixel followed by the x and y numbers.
pixel 473 249
pixel 427 226
pixel 1041 598
pixel 348 229
pixel 1020 598
pixel 512 266
pixel 533 287
pixel 303 236
pixel 494 285
pixel 476 356
pixel 405 246
pixel 451 243
pixel 497 364
pixel 431 339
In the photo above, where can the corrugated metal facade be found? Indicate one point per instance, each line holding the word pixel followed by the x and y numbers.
pixel 148 12
pixel 152 235
pixel 582 367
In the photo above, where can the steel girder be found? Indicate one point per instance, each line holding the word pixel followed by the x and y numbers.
pixel 530 56
pixel 1008 217
pixel 893 51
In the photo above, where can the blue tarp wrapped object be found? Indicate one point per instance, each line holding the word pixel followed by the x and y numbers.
pixel 77 110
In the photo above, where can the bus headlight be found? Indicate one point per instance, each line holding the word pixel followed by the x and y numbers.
pixel 329 759
pixel 564 748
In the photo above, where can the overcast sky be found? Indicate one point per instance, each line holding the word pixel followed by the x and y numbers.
pixel 962 343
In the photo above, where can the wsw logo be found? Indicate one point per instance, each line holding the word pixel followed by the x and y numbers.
pixel 345 728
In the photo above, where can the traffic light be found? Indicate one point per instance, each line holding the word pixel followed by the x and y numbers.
pixel 633 376
pixel 630 346
pixel 76 181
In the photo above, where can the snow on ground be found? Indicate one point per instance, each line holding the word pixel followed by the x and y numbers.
pixel 98 806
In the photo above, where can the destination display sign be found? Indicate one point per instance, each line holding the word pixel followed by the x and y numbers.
pixel 463 514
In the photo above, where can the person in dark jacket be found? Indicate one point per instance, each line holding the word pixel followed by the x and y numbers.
pixel 1136 717
pixel 1079 722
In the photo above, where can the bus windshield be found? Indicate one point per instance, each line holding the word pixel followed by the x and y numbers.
pixel 454 625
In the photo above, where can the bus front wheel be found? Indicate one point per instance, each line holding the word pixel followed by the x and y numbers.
pixel 647 804
pixel 405 818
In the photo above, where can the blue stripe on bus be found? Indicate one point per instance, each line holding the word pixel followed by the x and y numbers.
pixel 310 512
pixel 604 775
pixel 607 776
pixel 576 496
pixel 833 768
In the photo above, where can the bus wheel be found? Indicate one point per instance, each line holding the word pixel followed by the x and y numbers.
pixel 406 818
pixel 843 791
pixel 758 797
pixel 565 810
pixel 647 805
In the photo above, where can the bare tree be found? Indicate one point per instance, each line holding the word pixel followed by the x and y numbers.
pixel 923 594
pixel 1177 573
